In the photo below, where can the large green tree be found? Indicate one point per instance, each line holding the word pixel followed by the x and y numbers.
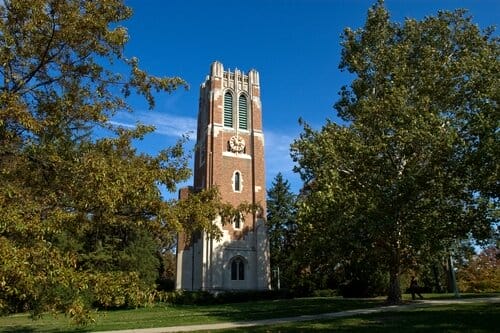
pixel 281 215
pixel 414 165
pixel 81 219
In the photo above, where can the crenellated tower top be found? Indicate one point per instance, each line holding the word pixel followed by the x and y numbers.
pixel 236 79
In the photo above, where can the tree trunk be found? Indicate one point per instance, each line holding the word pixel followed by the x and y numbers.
pixel 394 296
pixel 394 293
pixel 437 283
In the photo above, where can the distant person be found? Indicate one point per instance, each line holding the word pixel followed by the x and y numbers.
pixel 414 288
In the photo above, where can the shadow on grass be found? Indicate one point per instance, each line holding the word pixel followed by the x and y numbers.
pixel 446 296
pixel 284 308
pixel 450 318
pixel 31 329
pixel 18 329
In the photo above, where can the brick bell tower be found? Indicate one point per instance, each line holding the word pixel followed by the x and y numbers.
pixel 230 155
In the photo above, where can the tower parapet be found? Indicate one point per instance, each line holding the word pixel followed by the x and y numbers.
pixel 216 69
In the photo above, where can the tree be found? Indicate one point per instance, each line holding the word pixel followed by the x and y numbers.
pixel 411 171
pixel 281 227
pixel 81 218
pixel 482 272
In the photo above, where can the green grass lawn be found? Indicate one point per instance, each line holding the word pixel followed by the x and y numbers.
pixel 169 315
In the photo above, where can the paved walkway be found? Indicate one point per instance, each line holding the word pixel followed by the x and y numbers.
pixel 265 322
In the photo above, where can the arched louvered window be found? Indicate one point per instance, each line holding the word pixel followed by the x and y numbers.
pixel 228 109
pixel 243 113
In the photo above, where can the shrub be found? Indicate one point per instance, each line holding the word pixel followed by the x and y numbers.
pixel 325 293
pixel 182 297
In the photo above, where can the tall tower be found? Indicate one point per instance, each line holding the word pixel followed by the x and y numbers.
pixel 230 155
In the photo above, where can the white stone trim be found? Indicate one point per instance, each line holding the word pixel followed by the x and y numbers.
pixel 239 155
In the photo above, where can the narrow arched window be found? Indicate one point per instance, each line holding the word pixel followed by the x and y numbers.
pixel 228 109
pixel 243 112
pixel 237 222
pixel 237 269
pixel 237 181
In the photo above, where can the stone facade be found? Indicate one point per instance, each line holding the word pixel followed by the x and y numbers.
pixel 230 155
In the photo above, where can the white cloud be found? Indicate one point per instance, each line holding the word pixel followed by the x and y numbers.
pixel 165 124
pixel 120 124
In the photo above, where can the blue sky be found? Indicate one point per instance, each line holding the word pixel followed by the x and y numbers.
pixel 294 44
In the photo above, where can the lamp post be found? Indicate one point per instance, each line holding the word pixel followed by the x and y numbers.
pixel 277 274
pixel 453 276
